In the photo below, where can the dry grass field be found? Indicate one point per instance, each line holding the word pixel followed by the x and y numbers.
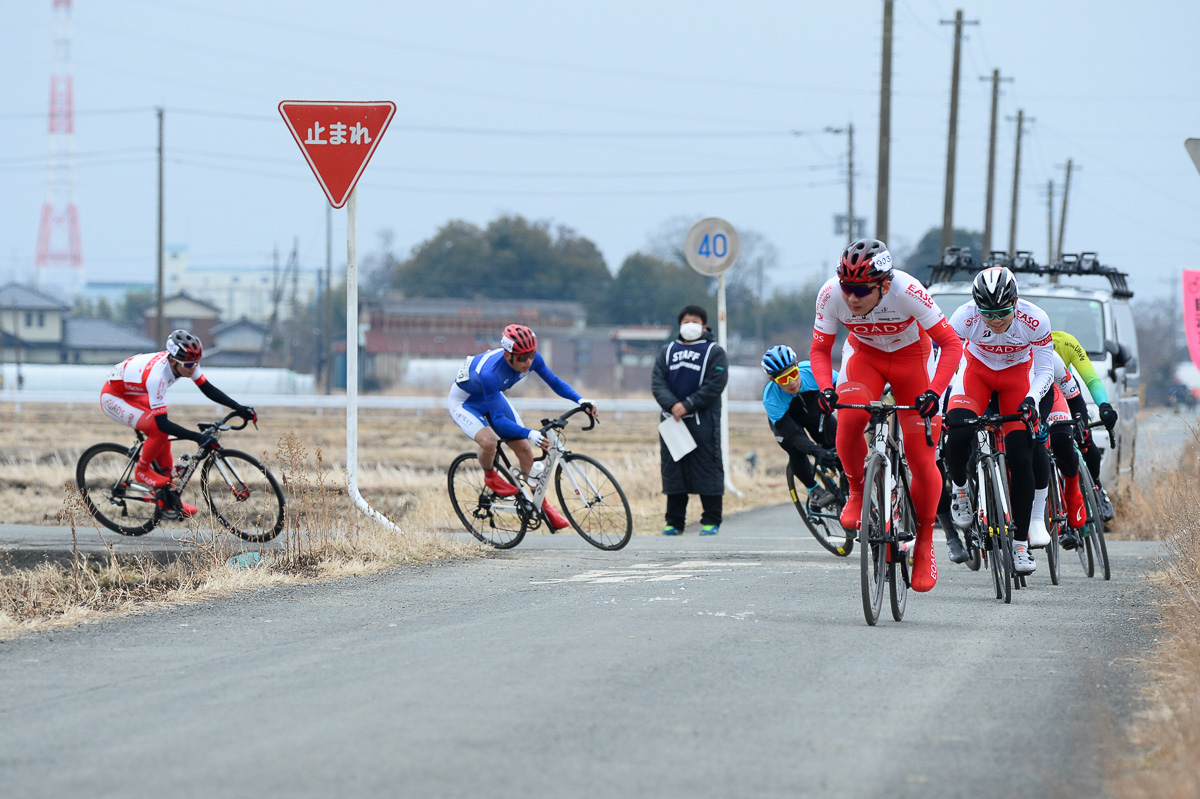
pixel 403 456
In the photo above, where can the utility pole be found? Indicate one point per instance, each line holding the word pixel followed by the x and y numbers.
pixel 885 128
pixel 1012 226
pixel 991 177
pixel 158 321
pixel 952 139
pixel 849 131
pixel 1050 221
pixel 1062 220
pixel 328 299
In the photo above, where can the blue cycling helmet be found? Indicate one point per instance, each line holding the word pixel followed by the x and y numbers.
pixel 778 360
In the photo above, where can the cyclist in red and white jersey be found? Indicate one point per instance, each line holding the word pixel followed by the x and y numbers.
pixel 136 396
pixel 1055 407
pixel 1009 354
pixel 891 319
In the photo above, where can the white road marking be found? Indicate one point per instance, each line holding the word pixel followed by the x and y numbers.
pixel 649 572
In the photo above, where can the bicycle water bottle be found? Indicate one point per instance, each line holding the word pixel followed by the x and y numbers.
pixel 181 465
pixel 535 474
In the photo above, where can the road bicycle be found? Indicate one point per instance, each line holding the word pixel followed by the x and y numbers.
pixel 889 524
pixel 587 492
pixel 1056 510
pixel 987 486
pixel 1091 547
pixel 823 521
pixel 239 491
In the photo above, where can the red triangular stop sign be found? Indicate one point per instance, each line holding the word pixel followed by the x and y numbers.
pixel 337 139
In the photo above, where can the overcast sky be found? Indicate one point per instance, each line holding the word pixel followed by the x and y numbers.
pixel 610 119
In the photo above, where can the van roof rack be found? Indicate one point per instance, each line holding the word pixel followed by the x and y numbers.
pixel 958 259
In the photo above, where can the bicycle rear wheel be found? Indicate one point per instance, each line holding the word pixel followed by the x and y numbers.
pixel 243 495
pixel 593 501
pixel 823 523
pixel 104 477
pixel 872 540
pixel 1095 522
pixel 492 519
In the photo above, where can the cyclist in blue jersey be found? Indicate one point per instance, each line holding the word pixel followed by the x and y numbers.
pixel 790 398
pixel 478 406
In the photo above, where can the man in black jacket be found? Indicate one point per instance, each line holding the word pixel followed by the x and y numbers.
pixel 689 376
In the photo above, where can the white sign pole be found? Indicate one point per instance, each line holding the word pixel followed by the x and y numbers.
pixel 711 248
pixel 352 364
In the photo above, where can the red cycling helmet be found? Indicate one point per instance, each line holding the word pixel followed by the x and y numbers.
pixel 865 260
pixel 183 346
pixel 518 340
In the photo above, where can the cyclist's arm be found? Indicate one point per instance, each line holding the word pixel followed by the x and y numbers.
pixel 795 435
pixel 177 430
pixel 821 358
pixel 216 395
pixel 556 383
pixel 1075 355
pixel 1042 376
pixel 952 350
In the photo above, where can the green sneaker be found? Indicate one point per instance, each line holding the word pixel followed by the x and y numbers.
pixel 668 530
pixel 710 529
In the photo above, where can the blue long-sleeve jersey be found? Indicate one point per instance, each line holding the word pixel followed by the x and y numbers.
pixel 487 376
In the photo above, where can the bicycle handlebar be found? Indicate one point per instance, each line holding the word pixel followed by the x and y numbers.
pixel 561 422
pixel 882 407
pixel 988 420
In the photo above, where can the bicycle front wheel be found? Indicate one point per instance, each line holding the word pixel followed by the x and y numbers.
pixel 1095 522
pixel 104 477
pixel 243 495
pixel 1056 517
pixel 593 501
pixel 822 523
pixel 872 540
pixel 490 518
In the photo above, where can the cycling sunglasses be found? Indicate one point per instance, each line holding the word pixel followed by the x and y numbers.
pixel 858 289
pixel 525 357
pixel 186 364
pixel 999 313
pixel 788 376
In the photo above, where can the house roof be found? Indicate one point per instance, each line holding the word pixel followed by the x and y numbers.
pixel 152 309
pixel 27 299
pixel 81 333
pixel 243 322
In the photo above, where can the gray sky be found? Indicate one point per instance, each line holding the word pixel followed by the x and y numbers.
pixel 609 118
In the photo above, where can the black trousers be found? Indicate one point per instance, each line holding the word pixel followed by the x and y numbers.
pixel 677 509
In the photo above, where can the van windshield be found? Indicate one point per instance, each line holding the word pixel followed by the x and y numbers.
pixel 1083 319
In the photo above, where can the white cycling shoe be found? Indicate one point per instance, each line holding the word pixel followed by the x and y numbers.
pixel 960 506
pixel 1039 536
pixel 1023 562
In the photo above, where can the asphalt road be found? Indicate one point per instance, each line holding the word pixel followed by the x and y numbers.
pixel 731 666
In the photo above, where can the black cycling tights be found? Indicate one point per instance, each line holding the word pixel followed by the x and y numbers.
pixel 1018 445
pixel 1063 444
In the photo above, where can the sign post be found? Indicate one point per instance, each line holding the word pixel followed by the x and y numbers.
pixel 338 139
pixel 711 247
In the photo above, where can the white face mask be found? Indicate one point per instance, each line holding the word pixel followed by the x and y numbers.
pixel 690 331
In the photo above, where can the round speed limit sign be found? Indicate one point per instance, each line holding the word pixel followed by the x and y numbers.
pixel 711 246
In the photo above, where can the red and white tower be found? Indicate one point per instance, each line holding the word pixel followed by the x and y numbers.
pixel 59 256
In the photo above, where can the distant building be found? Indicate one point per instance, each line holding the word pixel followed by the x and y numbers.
pixel 37 328
pixel 183 312
pixel 239 343
pixel 253 292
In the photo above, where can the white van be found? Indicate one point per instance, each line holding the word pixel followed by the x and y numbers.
pixel 1087 300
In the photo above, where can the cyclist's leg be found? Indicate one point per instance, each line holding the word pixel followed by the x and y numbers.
pixel 861 366
pixel 801 466
pixel 908 376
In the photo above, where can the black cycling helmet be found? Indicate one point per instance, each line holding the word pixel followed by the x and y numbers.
pixel 995 289
pixel 865 260
pixel 183 346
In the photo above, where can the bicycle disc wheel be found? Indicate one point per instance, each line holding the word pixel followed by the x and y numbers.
pixel 872 541
pixel 104 477
pixel 492 519
pixel 593 501
pixel 1095 522
pixel 823 524
pixel 898 576
pixel 243 495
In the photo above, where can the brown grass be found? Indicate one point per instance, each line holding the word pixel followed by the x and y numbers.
pixel 1165 739
pixel 402 473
